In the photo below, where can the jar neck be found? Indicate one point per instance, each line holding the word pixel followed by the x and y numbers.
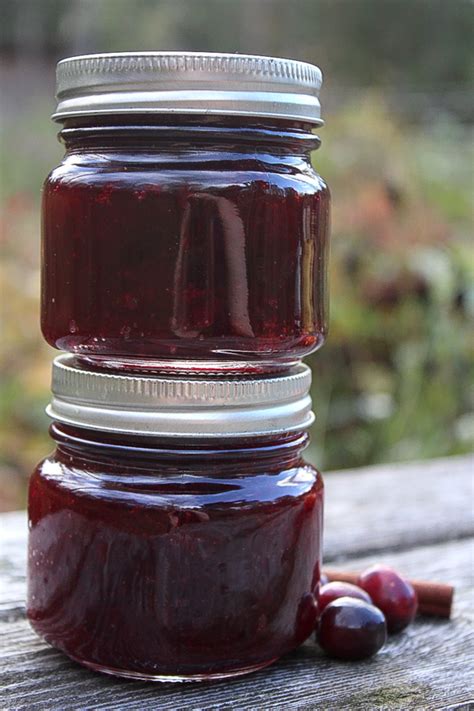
pixel 196 132
pixel 284 449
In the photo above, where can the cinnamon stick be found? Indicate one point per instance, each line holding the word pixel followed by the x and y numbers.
pixel 434 599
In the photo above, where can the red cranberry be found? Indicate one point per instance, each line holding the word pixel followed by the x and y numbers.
pixel 392 594
pixel 332 591
pixel 351 629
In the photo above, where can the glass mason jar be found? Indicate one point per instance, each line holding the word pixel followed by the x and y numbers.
pixel 185 229
pixel 178 543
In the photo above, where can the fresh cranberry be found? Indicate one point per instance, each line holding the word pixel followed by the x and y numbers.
pixel 393 594
pixel 332 591
pixel 351 629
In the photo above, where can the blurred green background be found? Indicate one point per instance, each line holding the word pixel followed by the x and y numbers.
pixel 393 381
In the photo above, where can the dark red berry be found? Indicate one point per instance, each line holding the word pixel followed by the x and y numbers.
pixel 393 594
pixel 332 591
pixel 351 629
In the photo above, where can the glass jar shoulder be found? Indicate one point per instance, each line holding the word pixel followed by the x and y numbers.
pixel 75 483
pixel 154 170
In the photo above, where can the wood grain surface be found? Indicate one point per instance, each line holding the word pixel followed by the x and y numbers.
pixel 416 517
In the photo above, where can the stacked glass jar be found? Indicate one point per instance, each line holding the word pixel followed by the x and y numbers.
pixel 175 532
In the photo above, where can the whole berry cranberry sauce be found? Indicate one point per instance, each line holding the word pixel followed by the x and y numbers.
pixel 188 243
pixel 161 560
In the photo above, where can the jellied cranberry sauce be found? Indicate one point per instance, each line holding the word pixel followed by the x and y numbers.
pixel 186 240
pixel 153 561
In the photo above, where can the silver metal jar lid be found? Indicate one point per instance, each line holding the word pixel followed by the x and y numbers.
pixel 179 407
pixel 188 83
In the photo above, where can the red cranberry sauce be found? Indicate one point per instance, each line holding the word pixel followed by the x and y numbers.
pixel 150 560
pixel 192 239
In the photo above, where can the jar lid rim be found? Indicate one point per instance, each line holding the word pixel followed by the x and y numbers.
pixel 228 406
pixel 188 83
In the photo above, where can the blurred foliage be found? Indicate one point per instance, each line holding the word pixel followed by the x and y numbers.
pixel 392 383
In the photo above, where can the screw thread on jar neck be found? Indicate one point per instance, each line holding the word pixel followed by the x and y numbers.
pixel 278 135
pixel 84 443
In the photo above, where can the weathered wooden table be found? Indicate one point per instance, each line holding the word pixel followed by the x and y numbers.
pixel 417 517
